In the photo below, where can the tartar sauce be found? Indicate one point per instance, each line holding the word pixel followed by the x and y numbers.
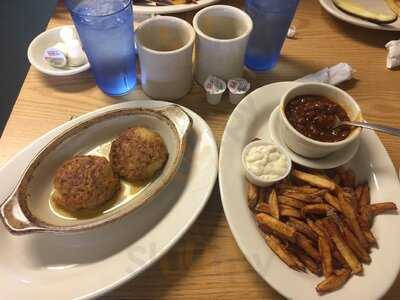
pixel 266 162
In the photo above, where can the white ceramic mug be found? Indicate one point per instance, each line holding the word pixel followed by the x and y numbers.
pixel 165 47
pixel 222 35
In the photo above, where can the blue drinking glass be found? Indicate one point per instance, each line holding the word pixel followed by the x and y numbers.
pixel 271 21
pixel 105 28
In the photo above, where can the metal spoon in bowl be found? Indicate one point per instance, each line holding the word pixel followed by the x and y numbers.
pixel 377 127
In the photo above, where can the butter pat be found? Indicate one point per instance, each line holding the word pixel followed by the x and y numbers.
pixel 393 57
pixel 55 57
pixel 67 34
pixel 76 56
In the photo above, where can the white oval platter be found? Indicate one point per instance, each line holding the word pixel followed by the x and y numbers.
pixel 372 163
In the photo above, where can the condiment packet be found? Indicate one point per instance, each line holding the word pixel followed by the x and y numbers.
pixel 214 87
pixel 332 75
pixel 238 87
pixel 55 57
pixel 291 34
pixel 393 57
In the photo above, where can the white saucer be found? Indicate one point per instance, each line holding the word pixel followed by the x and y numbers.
pixel 333 160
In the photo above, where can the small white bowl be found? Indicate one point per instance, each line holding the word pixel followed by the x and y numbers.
pixel 254 178
pixel 40 44
pixel 306 146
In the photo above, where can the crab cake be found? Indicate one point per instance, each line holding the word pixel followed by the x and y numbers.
pixel 137 154
pixel 84 182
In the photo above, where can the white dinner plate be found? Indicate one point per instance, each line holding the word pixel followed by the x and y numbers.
pixel 333 160
pixel 372 163
pixel 379 4
pixel 88 264
pixel 171 9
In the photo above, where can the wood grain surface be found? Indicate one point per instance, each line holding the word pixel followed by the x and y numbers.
pixel 206 263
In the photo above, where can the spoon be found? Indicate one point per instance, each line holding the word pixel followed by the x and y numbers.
pixel 377 127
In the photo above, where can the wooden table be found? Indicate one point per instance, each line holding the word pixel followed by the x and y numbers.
pixel 207 263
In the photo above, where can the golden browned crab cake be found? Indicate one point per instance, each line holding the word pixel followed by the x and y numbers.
pixel 84 182
pixel 138 153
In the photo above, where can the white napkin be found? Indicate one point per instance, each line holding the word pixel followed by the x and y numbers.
pixel 393 57
pixel 332 75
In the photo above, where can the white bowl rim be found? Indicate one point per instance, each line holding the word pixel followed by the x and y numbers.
pixel 184 23
pixel 353 102
pixel 263 142
pixel 58 72
pixel 246 18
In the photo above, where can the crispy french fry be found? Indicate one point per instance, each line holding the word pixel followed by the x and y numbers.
pixel 273 204
pixel 370 237
pixel 308 198
pixel 277 226
pixel 314 227
pixel 305 189
pixel 365 196
pixel 365 217
pixel 288 211
pixel 347 178
pixel 262 195
pixel 317 209
pixel 315 180
pixel 357 193
pixel 279 249
pixel 263 208
pixel 326 256
pixel 342 247
pixel 355 245
pixel 308 247
pixel 252 194
pixel 348 212
pixel 307 261
pixel 333 282
pixel 380 208
pixel 332 200
pixel 291 202
pixel 302 227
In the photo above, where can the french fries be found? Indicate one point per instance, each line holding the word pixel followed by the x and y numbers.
pixel 351 216
pixel 334 281
pixel 288 211
pixel 252 194
pixel 276 245
pixel 380 208
pixel 302 227
pixel 318 209
pixel 332 200
pixel 291 202
pixel 273 204
pixel 326 256
pixel 276 226
pixel 262 208
pixel 315 180
pixel 342 247
pixel 308 247
pixel 319 221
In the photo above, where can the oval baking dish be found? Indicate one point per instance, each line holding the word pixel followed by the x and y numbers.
pixel 28 208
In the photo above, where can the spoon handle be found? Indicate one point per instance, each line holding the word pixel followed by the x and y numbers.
pixel 377 127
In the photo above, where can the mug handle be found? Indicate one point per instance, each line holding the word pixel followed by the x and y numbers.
pixel 14 218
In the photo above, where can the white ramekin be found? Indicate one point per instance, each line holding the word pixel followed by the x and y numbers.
pixel 306 146
pixel 255 179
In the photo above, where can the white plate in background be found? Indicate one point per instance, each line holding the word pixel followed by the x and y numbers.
pixel 84 265
pixel 380 4
pixel 171 9
pixel 372 163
